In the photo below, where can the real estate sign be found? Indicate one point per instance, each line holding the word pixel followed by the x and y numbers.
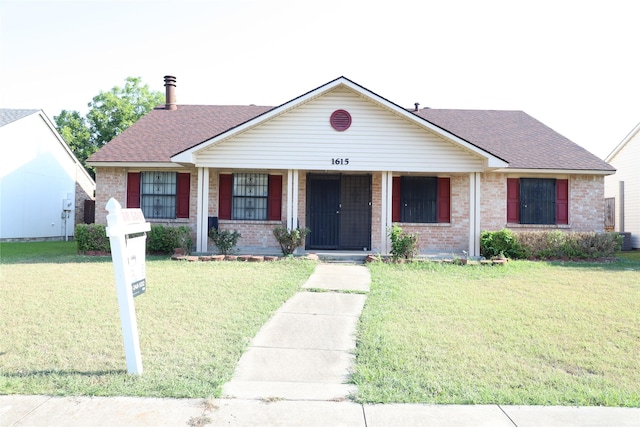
pixel 136 248
pixel 128 254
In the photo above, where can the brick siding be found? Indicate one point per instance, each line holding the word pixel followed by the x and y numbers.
pixel 586 204
pixel 451 237
pixel 586 210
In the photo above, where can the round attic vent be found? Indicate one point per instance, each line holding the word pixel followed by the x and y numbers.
pixel 340 120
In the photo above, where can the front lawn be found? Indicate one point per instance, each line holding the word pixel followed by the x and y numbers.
pixel 61 327
pixel 527 333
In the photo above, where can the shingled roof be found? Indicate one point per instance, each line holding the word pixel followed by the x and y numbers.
pixel 514 136
pixel 163 133
pixel 10 115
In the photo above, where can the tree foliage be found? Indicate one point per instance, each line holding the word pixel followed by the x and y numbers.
pixel 110 113
pixel 75 131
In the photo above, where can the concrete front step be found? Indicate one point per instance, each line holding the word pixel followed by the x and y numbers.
pixel 348 257
pixel 337 277
pixel 287 390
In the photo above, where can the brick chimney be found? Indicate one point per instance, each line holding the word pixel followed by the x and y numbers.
pixel 170 98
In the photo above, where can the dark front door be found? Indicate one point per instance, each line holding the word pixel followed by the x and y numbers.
pixel 339 212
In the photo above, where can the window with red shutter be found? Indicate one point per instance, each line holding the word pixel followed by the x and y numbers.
pixel 421 199
pixel 537 201
pixel 250 196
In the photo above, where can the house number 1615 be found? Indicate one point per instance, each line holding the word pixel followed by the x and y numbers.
pixel 341 162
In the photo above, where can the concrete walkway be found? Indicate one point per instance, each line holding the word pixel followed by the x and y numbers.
pixel 294 374
pixel 305 351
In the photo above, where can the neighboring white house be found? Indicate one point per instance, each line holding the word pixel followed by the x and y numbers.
pixel 43 186
pixel 624 186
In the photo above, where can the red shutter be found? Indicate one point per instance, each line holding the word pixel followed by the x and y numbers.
pixel 396 202
pixel 513 200
pixel 562 201
pixel 183 194
pixel 225 193
pixel 275 198
pixel 444 200
pixel 133 190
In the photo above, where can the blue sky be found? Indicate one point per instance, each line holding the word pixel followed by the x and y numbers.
pixel 568 63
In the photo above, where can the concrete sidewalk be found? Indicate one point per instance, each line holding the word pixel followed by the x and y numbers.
pixel 294 374
pixel 147 412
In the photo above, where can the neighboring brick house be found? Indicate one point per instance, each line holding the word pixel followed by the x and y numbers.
pixel 43 186
pixel 347 163
pixel 624 188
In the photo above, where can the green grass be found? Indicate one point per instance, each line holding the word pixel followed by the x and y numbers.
pixel 61 328
pixel 21 252
pixel 630 255
pixel 526 333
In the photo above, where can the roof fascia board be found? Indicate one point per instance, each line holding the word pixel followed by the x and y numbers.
pixel 492 160
pixel 147 165
pixel 623 143
pixel 557 171
pixel 187 156
pixel 64 144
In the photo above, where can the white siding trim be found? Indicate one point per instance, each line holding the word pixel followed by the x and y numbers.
pixel 474 214
pixel 294 219
pixel 554 171
pixel 342 86
pixel 378 140
pixel 292 198
pixel 202 220
pixel 387 210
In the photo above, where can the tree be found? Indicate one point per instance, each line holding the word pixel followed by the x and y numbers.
pixel 110 113
pixel 75 131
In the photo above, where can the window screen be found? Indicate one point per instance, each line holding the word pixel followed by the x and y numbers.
pixel 250 193
pixel 158 194
pixel 419 199
pixel 537 201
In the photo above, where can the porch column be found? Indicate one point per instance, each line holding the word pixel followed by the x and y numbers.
pixel 386 211
pixel 202 220
pixel 474 214
pixel 292 198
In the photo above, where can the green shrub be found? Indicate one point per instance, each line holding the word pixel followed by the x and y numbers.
pixel 224 240
pixel 289 240
pixel 164 239
pixel 549 244
pixel 403 245
pixel 502 242
pixel 91 237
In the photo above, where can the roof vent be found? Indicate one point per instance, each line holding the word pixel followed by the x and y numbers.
pixel 170 98
pixel 417 104
pixel 340 120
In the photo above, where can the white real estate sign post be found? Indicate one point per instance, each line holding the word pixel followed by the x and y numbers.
pixel 129 266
